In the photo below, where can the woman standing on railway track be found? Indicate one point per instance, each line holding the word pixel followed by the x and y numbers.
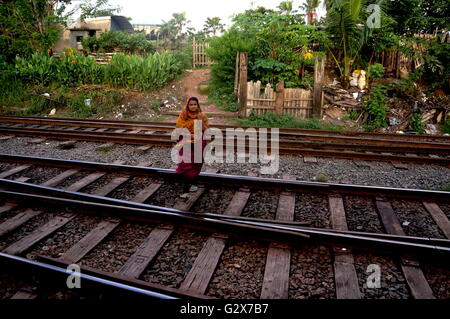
pixel 190 171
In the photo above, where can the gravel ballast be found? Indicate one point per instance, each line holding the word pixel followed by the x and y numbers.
pixel 240 272
pixel 418 176
pixel 311 273
pixel 176 258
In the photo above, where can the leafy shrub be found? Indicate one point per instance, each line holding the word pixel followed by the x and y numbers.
pixel 436 71
pixel 376 106
pixel 376 71
pixel 270 119
pixel 417 123
pixel 108 41
pixel 446 128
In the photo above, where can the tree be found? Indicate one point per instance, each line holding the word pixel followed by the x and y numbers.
pixel 419 16
pixel 285 7
pixel 172 30
pixel 310 8
pixel 342 22
pixel 30 25
pixel 213 25
pixel 99 8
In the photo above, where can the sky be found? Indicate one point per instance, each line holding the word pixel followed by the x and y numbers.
pixel 154 12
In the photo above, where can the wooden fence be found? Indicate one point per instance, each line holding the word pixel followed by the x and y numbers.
pixel 397 63
pixel 281 101
pixel 199 56
pixel 294 102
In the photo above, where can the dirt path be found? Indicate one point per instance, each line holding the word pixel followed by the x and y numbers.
pixel 192 83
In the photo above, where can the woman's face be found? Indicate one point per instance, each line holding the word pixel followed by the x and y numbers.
pixel 193 106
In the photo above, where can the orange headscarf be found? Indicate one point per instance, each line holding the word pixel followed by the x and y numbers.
pixel 186 118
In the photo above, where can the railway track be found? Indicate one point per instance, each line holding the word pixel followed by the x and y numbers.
pixel 349 145
pixel 236 237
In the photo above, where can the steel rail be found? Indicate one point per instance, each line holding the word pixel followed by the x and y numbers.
pixel 162 126
pixel 78 196
pixel 235 180
pixel 55 273
pixel 247 229
pixel 164 139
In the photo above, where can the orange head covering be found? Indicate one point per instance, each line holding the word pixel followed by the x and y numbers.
pixel 187 117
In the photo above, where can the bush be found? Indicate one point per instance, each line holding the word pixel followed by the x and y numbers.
pixel 436 71
pixel 73 70
pixel 108 41
pixel 417 123
pixel 375 71
pixel 376 106
pixel 270 119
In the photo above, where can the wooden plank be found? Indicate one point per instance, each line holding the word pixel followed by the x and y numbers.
pixel 388 218
pixel 338 219
pixel 202 270
pixel 198 278
pixel 14 170
pixel 90 241
pixel 276 274
pixel 237 204
pixel 418 285
pixel 25 243
pixel 75 187
pixel 279 98
pixel 183 204
pixel 345 277
pixel 439 217
pixel 146 252
pixel 420 289
pixel 26 292
pixel 108 188
pixel 146 193
pixel 60 178
pixel 7 207
pixel 17 221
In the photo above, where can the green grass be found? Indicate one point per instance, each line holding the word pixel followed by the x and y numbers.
pixel 286 121
pixel 446 187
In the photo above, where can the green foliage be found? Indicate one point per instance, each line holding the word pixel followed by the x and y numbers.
pixel 279 48
pixel 376 106
pixel 376 71
pixel 417 123
pixel 419 16
pixel 446 128
pixel 136 72
pixel 97 8
pixel 436 70
pixel 29 26
pixel 272 120
pixel 108 41
pixel 143 73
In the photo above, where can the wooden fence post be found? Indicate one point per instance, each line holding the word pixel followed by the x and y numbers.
pixel 193 52
pixel 279 98
pixel 243 83
pixel 319 72
pixel 236 76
